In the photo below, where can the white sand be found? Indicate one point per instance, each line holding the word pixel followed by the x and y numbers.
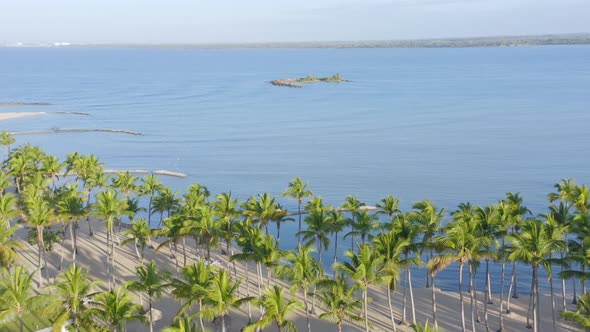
pixel 15 115
pixel 91 253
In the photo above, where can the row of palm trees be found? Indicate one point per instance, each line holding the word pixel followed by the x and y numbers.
pixel 390 242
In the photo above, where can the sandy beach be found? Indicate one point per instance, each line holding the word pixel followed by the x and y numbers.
pixel 15 115
pixel 91 254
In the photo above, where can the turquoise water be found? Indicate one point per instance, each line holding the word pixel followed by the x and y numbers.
pixel 451 125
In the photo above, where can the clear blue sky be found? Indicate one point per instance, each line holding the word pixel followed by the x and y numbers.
pixel 222 21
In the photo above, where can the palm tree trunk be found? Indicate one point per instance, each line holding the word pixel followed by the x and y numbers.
pixel 411 296
pixel 515 289
pixel 21 323
pixel 501 313
pixel 113 259
pixel 137 250
pixel 248 291
pixel 151 315
pixel 461 297
pixel 108 250
pixel 434 304
pixel 477 318
pixel 552 304
pixel 73 238
pixel 391 308
pixel 404 300
pixel 223 323
pixel 339 325
pixel 201 316
pixel 530 306
pixel 487 298
pixel 40 276
pixel 471 291
pixel 335 253
pixel 365 297
pixel 183 250
pixel 149 211
pixel 575 298
pixel 535 300
pixel 510 289
pixel 563 285
pixel 306 309
pixel 299 229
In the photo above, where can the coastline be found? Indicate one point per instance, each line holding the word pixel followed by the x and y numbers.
pixel 90 254
pixel 16 115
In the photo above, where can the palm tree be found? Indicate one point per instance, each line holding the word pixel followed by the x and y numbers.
pixel 5 182
pixel 172 230
pixel 339 299
pixel 125 183
pixel 17 294
pixel 222 296
pixel 364 225
pixel 488 227
pixel 301 271
pixel 554 230
pixel 39 214
pixel 460 245
pixel 277 311
pixel 152 282
pixel 249 238
pixel 516 212
pixel 268 254
pixel 535 245
pixel 352 204
pixel 404 227
pixel 183 324
pixel 166 201
pixel 280 217
pixel 582 314
pixel 392 247
pixel 50 168
pixel 429 219
pixel 424 327
pixel 7 140
pixel 71 207
pixel 8 246
pixel 207 228
pixel 261 210
pixel 193 287
pixel 115 308
pixel 109 208
pixel 297 189
pixel 150 186
pixel 226 208
pixel 8 209
pixel 317 231
pixel 388 206
pixel 75 292
pixel 139 234
pixel 336 223
pixel 365 269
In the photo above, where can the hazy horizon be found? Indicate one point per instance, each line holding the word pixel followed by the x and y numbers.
pixel 266 21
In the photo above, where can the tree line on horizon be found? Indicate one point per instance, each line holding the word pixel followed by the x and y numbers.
pixel 385 246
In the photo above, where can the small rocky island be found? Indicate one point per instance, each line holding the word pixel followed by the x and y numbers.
pixel 298 82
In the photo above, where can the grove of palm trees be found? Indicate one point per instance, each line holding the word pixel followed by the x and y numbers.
pixel 96 252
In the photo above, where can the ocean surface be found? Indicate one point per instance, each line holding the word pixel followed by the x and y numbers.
pixel 450 125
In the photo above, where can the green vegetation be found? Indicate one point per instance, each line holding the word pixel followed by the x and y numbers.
pixel 293 83
pixel 383 254
pixel 311 79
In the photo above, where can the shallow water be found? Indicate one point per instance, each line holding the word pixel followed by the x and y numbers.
pixel 451 125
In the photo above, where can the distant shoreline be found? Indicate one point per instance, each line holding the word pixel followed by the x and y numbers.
pixel 496 41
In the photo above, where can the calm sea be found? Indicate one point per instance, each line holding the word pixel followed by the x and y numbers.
pixel 450 125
